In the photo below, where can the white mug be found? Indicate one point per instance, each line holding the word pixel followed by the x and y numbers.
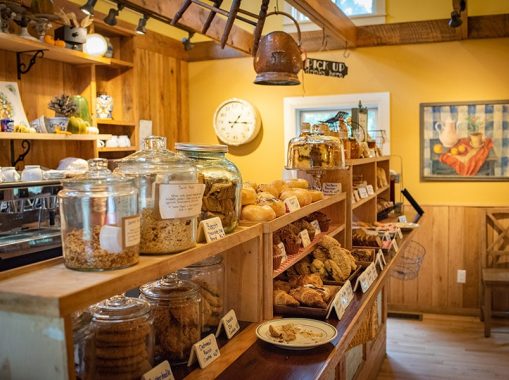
pixel 10 174
pixel 124 141
pixel 100 143
pixel 31 173
pixel 112 142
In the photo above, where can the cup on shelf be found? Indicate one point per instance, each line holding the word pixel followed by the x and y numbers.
pixel 31 173
pixel 112 142
pixel 101 143
pixel 123 141
pixel 10 174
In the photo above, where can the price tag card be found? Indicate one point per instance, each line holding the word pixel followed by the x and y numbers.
pixel 356 196
pixel 363 193
pixel 370 190
pixel 402 219
pixel 400 234
pixel 210 230
pixel 230 324
pixel 395 245
pixel 316 226
pixel 179 200
pixel 366 278
pixel 281 247
pixel 380 259
pixel 331 188
pixel 341 300
pixel 206 351
pixel 160 372
pixel 304 237
pixel 292 204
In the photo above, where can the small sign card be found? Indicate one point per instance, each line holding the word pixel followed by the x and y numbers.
pixel 230 324
pixel 395 245
pixel 316 226
pixel 341 300
pixel 370 190
pixel 210 230
pixel 380 259
pixel 161 371
pixel 304 237
pixel 363 193
pixel 366 278
pixel 292 204
pixel 326 68
pixel 402 219
pixel 331 188
pixel 206 351
pixel 281 247
pixel 400 234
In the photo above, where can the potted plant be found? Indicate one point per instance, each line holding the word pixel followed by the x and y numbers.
pixel 476 137
pixel 64 107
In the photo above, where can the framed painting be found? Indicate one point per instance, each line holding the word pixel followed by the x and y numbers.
pixel 465 141
pixel 11 106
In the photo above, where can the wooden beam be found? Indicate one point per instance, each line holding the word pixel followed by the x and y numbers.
pixel 205 51
pixel 194 18
pixel 327 15
pixel 496 26
pixel 462 31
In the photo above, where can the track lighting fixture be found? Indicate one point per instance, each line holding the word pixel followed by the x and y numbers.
pixel 142 25
pixel 186 41
pixel 88 7
pixel 111 18
pixel 456 20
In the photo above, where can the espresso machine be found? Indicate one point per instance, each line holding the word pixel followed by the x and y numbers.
pixel 29 222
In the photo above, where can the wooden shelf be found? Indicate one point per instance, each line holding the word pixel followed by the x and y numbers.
pixel 363 161
pixel 122 123
pixel 121 149
pixel 382 189
pixel 51 136
pixel 363 201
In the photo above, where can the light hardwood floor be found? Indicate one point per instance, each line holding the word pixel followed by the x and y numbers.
pixel 444 347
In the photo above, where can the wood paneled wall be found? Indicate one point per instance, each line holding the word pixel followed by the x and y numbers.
pixel 452 237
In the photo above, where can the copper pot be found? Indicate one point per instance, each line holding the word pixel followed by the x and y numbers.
pixel 278 59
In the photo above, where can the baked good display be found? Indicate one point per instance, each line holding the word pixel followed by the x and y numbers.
pixel 361 238
pixel 314 152
pixel 256 213
pixel 289 235
pixel 303 196
pixel 248 195
pixel 303 224
pixel 300 183
pixel 331 261
pixel 381 178
pixel 323 220
pixel 268 199
pixel 219 199
pixel 363 254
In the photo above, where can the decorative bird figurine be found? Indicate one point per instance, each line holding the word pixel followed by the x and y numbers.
pixel 336 118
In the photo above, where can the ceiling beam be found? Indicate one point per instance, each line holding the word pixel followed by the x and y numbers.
pixel 327 15
pixel 462 31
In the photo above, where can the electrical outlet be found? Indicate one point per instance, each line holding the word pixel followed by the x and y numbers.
pixel 461 276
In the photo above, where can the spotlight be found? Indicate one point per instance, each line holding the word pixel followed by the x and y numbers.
pixel 455 20
pixel 111 18
pixel 88 8
pixel 142 25
pixel 186 41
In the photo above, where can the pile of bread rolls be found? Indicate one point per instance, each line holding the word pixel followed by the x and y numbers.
pixel 264 202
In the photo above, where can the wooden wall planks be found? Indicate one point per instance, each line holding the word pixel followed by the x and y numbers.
pixel 452 237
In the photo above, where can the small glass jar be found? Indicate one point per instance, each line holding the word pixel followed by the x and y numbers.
pixel 314 151
pixel 164 179
pixel 124 338
pixel 209 276
pixel 100 224
pixel 176 307
pixel 83 341
pixel 223 183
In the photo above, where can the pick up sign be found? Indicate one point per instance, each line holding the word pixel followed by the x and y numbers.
pixel 326 68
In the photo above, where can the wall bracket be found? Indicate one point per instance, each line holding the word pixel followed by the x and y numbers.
pixel 26 145
pixel 24 68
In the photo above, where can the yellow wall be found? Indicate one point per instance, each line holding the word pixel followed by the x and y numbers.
pixel 412 74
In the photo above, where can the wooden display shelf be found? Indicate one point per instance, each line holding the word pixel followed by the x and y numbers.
pixel 382 189
pixel 118 149
pixel 122 123
pixel 363 201
pixel 51 136
pixel 56 291
pixel 363 161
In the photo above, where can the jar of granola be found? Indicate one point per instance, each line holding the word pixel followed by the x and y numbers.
pixel 222 179
pixel 176 306
pixel 209 276
pixel 100 224
pixel 170 196
pixel 124 338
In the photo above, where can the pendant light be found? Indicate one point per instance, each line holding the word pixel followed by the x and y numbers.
pixel 88 7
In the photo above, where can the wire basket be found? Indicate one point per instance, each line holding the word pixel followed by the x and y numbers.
pixel 408 264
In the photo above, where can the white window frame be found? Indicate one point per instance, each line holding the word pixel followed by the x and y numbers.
pixel 293 105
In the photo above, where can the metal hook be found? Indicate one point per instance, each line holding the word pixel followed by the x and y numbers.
pixel 345 54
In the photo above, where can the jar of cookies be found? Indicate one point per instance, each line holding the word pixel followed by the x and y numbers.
pixel 223 182
pixel 100 223
pixel 176 306
pixel 124 338
pixel 170 196
pixel 209 276
pixel 83 341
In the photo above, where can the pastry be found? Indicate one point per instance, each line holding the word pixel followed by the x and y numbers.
pixel 306 279
pixel 297 183
pixel 290 237
pixel 268 199
pixel 269 188
pixel 219 199
pixel 281 285
pixel 302 224
pixel 316 195
pixel 248 195
pixel 323 220
pixel 318 267
pixel 255 213
pixel 278 184
pixel 303 196
pixel 308 297
pixel 283 298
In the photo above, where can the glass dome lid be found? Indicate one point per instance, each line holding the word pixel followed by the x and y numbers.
pixel 97 178
pixel 120 308
pixel 201 147
pixel 170 287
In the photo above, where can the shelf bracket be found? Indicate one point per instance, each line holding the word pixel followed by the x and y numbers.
pixel 26 145
pixel 25 68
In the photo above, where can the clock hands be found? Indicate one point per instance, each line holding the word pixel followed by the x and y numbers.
pixel 232 123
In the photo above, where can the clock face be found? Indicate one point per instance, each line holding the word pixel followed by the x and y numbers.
pixel 236 122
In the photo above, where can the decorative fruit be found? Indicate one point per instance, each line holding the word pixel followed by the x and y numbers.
pixel 454 151
pixel 438 148
pixel 24 129
pixel 77 125
pixel 60 132
pixel 462 149
pixel 49 39
pixel 59 43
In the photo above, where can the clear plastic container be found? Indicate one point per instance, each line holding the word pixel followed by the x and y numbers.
pixel 83 341
pixel 124 338
pixel 100 223
pixel 170 196
pixel 222 179
pixel 314 151
pixel 209 276
pixel 176 306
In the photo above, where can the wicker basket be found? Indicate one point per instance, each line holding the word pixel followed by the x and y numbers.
pixel 368 329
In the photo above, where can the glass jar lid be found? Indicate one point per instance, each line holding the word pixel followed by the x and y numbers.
pixel 120 308
pixel 154 157
pixel 97 178
pixel 214 260
pixel 170 288
pixel 201 148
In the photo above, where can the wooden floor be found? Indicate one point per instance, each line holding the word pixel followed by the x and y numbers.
pixel 444 347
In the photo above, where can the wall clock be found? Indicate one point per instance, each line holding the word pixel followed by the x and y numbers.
pixel 236 122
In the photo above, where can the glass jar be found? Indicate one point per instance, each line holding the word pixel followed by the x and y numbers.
pixel 124 338
pixel 209 276
pixel 83 341
pixel 100 224
pixel 165 181
pixel 314 151
pixel 223 183
pixel 176 307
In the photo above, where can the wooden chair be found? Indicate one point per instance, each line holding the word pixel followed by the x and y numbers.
pixel 495 264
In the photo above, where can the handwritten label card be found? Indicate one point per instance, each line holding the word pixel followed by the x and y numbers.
pixel 281 247
pixel 370 190
pixel 395 245
pixel 179 200
pixel 341 300
pixel 402 219
pixel 230 324
pixel 206 351
pixel 210 230
pixel 292 204
pixel 400 234
pixel 363 193
pixel 380 259
pixel 316 226
pixel 160 372
pixel 304 237
pixel 331 188
pixel 367 278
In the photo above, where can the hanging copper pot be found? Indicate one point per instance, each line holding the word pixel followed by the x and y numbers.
pixel 278 58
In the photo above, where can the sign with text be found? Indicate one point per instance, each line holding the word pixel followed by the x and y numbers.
pixel 230 324
pixel 326 68
pixel 400 234
pixel 206 351
pixel 304 237
pixel 211 230
pixel 160 372
pixel 281 247
pixel 363 193
pixel 292 204
pixel 395 245
pixel 402 219
pixel 331 188
pixel 380 259
pixel 316 226
pixel 179 200
pixel 367 278
pixel 341 300
pixel 370 190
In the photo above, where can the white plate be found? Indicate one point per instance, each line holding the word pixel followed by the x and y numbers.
pixel 325 331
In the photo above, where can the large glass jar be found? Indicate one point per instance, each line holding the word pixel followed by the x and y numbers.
pixel 314 151
pixel 170 196
pixel 176 307
pixel 223 182
pixel 83 341
pixel 100 223
pixel 209 276
pixel 124 338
